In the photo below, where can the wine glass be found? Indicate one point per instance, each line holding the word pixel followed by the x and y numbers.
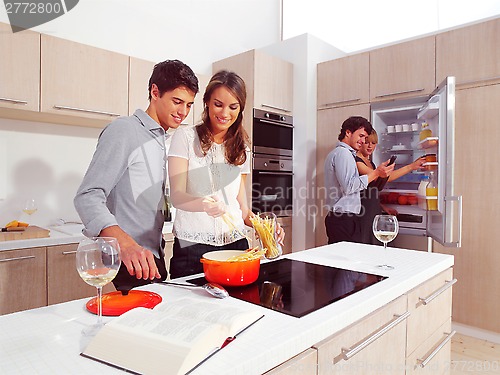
pixel 30 207
pixel 97 263
pixel 385 228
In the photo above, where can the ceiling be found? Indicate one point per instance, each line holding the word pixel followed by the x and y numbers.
pixel 357 25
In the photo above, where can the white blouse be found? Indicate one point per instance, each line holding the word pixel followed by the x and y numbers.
pixel 208 175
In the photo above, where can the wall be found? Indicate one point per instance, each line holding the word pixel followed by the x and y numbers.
pixel 305 52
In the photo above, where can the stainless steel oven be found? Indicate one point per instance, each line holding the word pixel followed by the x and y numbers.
pixel 272 133
pixel 272 184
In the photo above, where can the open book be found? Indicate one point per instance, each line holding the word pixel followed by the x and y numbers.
pixel 173 338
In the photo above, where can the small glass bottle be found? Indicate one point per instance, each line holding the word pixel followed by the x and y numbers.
pixel 431 193
pixel 426 132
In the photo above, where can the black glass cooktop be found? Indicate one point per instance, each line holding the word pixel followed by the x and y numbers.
pixel 297 288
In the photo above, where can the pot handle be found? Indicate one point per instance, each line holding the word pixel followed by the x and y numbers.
pixel 210 261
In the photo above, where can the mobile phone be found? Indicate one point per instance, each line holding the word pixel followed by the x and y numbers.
pixel 392 160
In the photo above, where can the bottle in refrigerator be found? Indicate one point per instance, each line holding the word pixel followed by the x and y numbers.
pixel 422 193
pixel 426 132
pixel 431 193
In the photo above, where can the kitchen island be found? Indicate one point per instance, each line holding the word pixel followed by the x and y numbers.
pixel 48 340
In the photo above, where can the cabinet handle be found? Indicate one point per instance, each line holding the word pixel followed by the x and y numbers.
pixel 423 362
pixel 69 252
pixel 86 110
pixel 332 104
pixel 348 353
pixel 448 284
pixel 274 107
pixel 15 101
pixel 479 81
pixel 398 93
pixel 18 258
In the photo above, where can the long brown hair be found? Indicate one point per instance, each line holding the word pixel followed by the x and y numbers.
pixel 236 138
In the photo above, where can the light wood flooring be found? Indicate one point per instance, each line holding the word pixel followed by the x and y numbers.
pixel 474 356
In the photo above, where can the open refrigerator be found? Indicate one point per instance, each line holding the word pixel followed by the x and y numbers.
pixel 400 125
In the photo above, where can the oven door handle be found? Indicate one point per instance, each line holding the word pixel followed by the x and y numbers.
pixel 269 197
pixel 277 173
pixel 275 123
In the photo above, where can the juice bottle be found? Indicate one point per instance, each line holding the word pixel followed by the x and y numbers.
pixel 431 192
pixel 422 193
pixel 426 132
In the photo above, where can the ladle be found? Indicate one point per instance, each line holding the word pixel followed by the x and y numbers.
pixel 214 289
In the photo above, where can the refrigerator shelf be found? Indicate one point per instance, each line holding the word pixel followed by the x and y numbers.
pixel 428 142
pixel 430 110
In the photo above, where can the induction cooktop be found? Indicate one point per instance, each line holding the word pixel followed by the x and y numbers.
pixel 297 288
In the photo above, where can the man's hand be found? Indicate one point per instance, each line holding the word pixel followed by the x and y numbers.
pixel 384 170
pixel 138 260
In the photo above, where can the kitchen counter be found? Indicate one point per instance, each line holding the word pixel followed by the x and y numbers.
pixel 49 340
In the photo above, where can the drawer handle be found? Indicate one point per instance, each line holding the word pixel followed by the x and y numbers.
pixel 18 258
pixel 69 252
pixel 423 362
pixel 15 101
pixel 348 353
pixel 398 93
pixel 329 105
pixel 448 284
pixel 274 107
pixel 86 110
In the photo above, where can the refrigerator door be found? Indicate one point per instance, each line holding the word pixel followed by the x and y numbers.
pixel 444 224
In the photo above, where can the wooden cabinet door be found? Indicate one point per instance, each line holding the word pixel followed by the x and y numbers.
pixel 63 281
pixel 83 81
pixel 197 108
pixel 383 332
pixel 22 276
pixel 138 84
pixel 305 363
pixel 327 131
pixel 273 90
pixel 344 81
pixel 403 70
pixel 286 224
pixel 471 54
pixel 19 69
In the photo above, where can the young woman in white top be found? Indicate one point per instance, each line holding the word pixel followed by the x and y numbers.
pixel 208 165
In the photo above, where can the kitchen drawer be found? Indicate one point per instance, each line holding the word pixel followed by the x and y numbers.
pixel 430 307
pixel 434 355
pixel 379 340
pixel 305 363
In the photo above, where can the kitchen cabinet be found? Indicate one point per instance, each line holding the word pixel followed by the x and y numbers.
pixel 23 279
pixel 303 364
pixel 286 224
pixel 376 344
pixel 344 81
pixel 327 131
pixel 19 69
pixel 83 81
pixel 471 54
pixel 63 281
pixel 403 70
pixel 138 84
pixel 197 108
pixel 268 79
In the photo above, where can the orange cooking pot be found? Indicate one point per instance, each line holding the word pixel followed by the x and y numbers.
pixel 219 270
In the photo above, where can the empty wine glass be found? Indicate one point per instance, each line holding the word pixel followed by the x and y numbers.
pixel 385 228
pixel 97 263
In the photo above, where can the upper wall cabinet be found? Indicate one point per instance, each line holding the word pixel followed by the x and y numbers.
pixel 403 70
pixel 139 74
pixel 471 54
pixel 344 81
pixel 84 81
pixel 269 80
pixel 19 69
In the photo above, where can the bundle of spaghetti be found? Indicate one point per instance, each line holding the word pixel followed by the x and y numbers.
pixel 228 219
pixel 249 254
pixel 265 228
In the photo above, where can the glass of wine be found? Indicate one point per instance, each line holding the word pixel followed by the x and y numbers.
pixel 30 207
pixel 385 228
pixel 97 263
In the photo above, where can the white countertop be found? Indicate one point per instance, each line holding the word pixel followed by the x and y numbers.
pixel 48 340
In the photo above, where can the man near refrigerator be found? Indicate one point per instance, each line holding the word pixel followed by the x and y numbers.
pixel 343 183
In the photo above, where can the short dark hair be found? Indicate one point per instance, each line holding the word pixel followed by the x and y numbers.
pixel 354 123
pixel 170 74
